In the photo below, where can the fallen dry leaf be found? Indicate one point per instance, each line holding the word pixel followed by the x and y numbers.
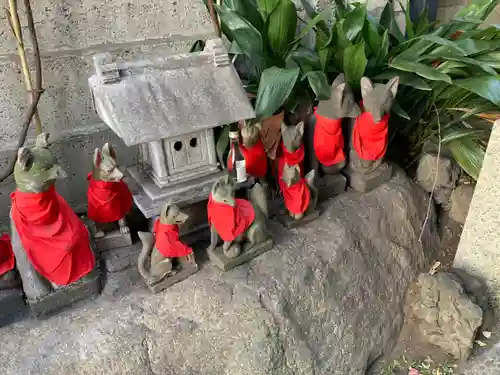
pixel 480 343
pixel 434 268
pixel 487 334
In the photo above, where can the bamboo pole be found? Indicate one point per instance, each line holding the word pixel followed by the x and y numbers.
pixel 16 29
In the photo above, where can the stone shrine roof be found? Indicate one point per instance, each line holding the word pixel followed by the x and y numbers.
pixel 149 100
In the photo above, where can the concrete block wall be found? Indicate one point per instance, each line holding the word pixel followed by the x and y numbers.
pixel 70 33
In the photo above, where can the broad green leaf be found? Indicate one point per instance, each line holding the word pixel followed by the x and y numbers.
pixel 443 42
pixel 388 21
pixel 487 87
pixel 305 58
pixel 469 154
pixel 410 33
pixel 354 21
pixel 281 27
pixel 320 17
pixel 325 54
pixel 420 69
pixel 354 63
pixel 457 133
pixel 319 84
pixel 234 49
pixel 222 144
pixel 466 60
pixel 449 66
pixel 477 9
pixel 422 24
pixel 405 79
pixel 396 108
pixel 491 59
pixel 371 37
pixel 341 41
pixel 472 46
pixel 384 49
pixel 240 30
pixel 266 7
pixel 275 87
pixel 197 46
pixel 248 10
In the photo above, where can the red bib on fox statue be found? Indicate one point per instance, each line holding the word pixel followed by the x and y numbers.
pixel 297 197
pixel 108 201
pixel 290 158
pixel 229 221
pixel 328 140
pixel 255 160
pixel 55 240
pixel 369 138
pixel 7 258
pixel 167 241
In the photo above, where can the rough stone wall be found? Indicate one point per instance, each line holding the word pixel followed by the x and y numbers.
pixel 69 34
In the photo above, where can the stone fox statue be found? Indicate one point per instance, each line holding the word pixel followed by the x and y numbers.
pixel 163 246
pixel 50 243
pixel 236 221
pixel 109 198
pixel 299 194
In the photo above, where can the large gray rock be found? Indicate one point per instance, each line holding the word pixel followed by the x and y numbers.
pixel 439 175
pixel 326 300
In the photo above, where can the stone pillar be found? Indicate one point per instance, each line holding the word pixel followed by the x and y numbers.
pixel 479 248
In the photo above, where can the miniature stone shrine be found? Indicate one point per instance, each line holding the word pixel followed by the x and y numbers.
pixel 109 200
pixel 11 294
pixel 164 259
pixel 299 193
pixel 240 223
pixel 369 136
pixel 51 245
pixel 169 107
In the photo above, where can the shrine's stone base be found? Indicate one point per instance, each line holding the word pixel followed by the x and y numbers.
pixel 12 306
pixel 112 240
pixel 364 182
pixel 225 264
pixel 118 259
pixel 182 274
pixel 331 185
pixel 64 296
pixel 290 222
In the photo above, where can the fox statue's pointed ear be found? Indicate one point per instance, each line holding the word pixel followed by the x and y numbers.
pixel 97 157
pixel 24 158
pixel 108 150
pixel 366 86
pixel 42 140
pixel 300 128
pixel 392 85
pixel 283 127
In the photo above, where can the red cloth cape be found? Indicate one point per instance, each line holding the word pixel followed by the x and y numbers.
pixel 228 221
pixel 55 240
pixel 290 158
pixel 255 160
pixel 7 258
pixel 107 201
pixel 167 241
pixel 370 138
pixel 297 197
pixel 328 140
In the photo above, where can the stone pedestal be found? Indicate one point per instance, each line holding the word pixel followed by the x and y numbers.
pixel 12 306
pixel 182 274
pixel 112 240
pixel 478 252
pixel 364 182
pixel 121 258
pixel 248 253
pixel 290 222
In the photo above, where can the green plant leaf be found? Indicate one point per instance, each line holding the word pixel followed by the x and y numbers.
pixel 320 17
pixel 396 108
pixel 457 133
pixel 305 58
pixel 354 63
pixel 477 9
pixel 491 59
pixel 281 27
pixel 222 144
pixel 246 36
pixel 234 49
pixel 420 69
pixel 469 154
pixel 388 21
pixel 197 46
pixel 450 66
pixel 472 46
pixel 248 10
pixel 266 7
pixel 384 49
pixel 410 33
pixel 354 21
pixel 275 87
pixel 443 42
pixel 371 36
pixel 319 84
pixel 405 79
pixel 487 87
pixel 466 60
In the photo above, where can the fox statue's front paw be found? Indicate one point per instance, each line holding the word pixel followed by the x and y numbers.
pixel 99 234
pixel 232 250
pixel 124 230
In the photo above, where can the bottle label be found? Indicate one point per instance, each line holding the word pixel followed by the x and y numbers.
pixel 241 171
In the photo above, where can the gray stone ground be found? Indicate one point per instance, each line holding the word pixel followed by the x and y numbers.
pixel 327 299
